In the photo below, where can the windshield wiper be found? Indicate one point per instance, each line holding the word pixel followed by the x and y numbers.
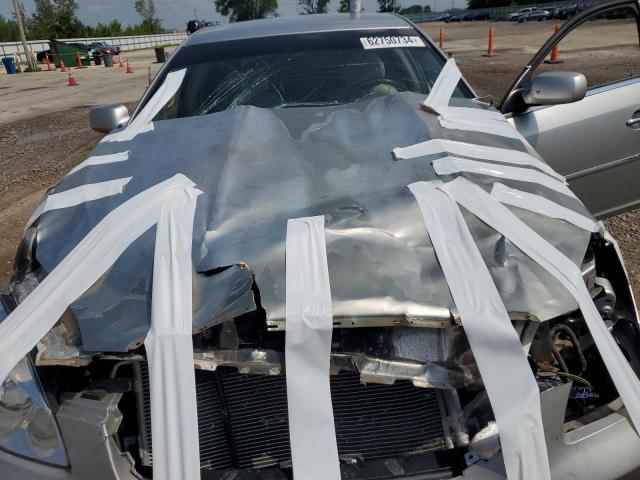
pixel 308 104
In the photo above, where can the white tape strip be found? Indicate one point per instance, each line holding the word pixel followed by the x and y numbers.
pixel 81 268
pixel 481 152
pixel 143 121
pixel 496 347
pixel 450 165
pixel 444 86
pixel 129 133
pixel 463 118
pixel 471 114
pixel 309 318
pixel 490 127
pixel 616 247
pixel 101 160
pixel 501 219
pixel 541 205
pixel 78 195
pixel 169 347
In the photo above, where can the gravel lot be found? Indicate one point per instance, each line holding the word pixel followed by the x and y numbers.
pixel 28 95
pixel 44 124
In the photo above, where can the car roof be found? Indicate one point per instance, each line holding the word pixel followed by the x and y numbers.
pixel 296 25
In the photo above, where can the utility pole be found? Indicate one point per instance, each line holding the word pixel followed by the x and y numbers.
pixel 355 6
pixel 27 51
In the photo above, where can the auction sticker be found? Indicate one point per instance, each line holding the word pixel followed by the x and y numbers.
pixel 391 42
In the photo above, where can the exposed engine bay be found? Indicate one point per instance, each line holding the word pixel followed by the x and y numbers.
pixel 407 400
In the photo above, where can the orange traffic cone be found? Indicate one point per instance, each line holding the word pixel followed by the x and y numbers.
pixel 50 68
pixel 441 39
pixel 79 61
pixel 129 69
pixel 72 81
pixel 555 51
pixel 490 47
pixel 120 62
pixel 63 69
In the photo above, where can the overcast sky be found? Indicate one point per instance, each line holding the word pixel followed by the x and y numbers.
pixel 176 13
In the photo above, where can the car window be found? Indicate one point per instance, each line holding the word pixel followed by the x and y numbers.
pixel 310 70
pixel 604 49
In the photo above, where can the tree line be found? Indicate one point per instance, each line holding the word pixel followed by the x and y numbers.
pixel 241 10
pixel 58 19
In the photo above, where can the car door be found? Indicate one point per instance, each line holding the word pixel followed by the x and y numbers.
pixel 594 142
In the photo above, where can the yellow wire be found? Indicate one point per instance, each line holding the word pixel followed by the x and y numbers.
pixel 575 377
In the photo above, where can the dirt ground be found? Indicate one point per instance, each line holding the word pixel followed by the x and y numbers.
pixel 603 50
pixel 28 95
pixel 44 125
pixel 44 132
pixel 35 154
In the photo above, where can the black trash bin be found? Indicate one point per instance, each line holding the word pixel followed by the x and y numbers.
pixel 160 56
pixel 97 58
pixel 108 60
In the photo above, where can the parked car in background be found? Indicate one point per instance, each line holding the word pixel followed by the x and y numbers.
pixel 514 16
pixel 40 56
pixel 536 14
pixel 104 48
pixel 82 47
pixel 478 16
pixel 194 26
pixel 566 12
pixel 443 18
pixel 454 18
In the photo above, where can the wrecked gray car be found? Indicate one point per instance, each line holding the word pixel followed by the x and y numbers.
pixel 281 119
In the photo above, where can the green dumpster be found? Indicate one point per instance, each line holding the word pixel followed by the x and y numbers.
pixel 67 52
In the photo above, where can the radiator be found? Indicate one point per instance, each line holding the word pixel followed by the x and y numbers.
pixel 242 420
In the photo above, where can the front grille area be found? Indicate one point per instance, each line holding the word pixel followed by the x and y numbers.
pixel 243 422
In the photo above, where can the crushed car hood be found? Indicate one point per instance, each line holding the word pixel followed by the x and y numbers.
pixel 257 169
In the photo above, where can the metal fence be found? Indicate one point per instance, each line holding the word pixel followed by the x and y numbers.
pixel 133 42
pixel 502 13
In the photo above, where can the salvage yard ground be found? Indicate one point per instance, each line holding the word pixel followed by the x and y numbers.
pixel 44 124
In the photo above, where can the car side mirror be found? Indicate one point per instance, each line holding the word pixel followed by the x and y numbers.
pixel 104 118
pixel 553 88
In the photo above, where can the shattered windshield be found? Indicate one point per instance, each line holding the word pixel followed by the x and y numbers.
pixel 302 71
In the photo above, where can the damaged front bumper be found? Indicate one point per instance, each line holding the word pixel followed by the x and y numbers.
pixel 604 449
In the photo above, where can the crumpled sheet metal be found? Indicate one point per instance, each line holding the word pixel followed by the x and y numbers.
pixel 261 167
pixel 94 254
pixel 609 238
pixel 496 346
pixel 481 204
